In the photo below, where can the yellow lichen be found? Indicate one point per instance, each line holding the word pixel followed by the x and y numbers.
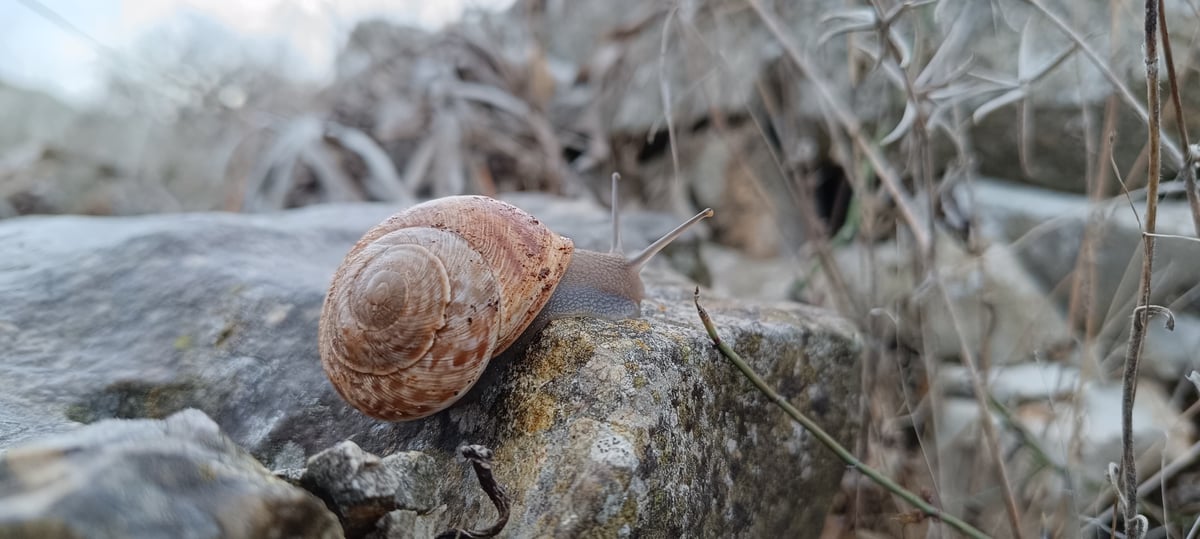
pixel 639 324
pixel 536 414
pixel 546 364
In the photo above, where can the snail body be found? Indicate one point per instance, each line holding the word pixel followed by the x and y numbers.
pixel 424 301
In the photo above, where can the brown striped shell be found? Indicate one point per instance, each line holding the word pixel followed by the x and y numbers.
pixel 428 297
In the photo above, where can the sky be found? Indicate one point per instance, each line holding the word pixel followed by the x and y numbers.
pixel 37 52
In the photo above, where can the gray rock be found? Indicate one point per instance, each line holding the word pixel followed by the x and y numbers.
pixel 739 276
pixel 142 317
pixel 610 427
pixel 600 427
pixel 1046 231
pixel 1081 434
pixel 405 524
pixel 361 487
pixel 998 307
pixel 1053 126
pixel 1023 382
pixel 177 478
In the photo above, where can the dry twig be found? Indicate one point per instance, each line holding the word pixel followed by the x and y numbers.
pixel 824 437
pixel 1187 172
pixel 481 459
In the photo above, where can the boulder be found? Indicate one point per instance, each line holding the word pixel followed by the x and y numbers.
pixel 178 477
pixel 1070 426
pixel 1045 231
pixel 1041 137
pixel 362 488
pixel 600 427
pixel 1001 313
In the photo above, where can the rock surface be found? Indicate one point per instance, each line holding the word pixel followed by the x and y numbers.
pixel 1046 231
pixel 602 427
pixel 1080 434
pixel 178 477
pixel 140 317
pixel 999 310
pixel 361 487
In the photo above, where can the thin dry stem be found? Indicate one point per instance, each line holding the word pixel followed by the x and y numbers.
pixel 803 195
pixel 1141 315
pixel 1180 125
pixel 1160 478
pixel 981 397
pixel 1126 95
pixel 1188 171
pixel 925 160
pixel 664 88
pixel 828 441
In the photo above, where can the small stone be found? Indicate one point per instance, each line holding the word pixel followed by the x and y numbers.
pixel 178 477
pixel 361 487
pixel 1022 382
pixel 407 524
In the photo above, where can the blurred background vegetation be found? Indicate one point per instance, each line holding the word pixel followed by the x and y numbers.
pixel 954 177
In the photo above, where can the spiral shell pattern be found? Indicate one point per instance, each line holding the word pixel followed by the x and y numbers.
pixel 427 298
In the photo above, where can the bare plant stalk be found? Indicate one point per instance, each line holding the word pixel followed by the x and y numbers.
pixel 1126 95
pixel 989 429
pixel 1155 482
pixel 1188 170
pixel 1180 125
pixel 824 437
pixel 925 159
pixel 1141 314
pixel 803 195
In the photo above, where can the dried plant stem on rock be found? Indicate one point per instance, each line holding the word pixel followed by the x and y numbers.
pixel 480 458
pixel 842 453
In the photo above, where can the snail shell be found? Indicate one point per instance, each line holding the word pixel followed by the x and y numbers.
pixel 425 299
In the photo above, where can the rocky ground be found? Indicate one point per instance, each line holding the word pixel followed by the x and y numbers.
pixel 601 428
pixel 827 181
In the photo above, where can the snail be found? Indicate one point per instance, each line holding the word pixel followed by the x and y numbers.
pixel 427 298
